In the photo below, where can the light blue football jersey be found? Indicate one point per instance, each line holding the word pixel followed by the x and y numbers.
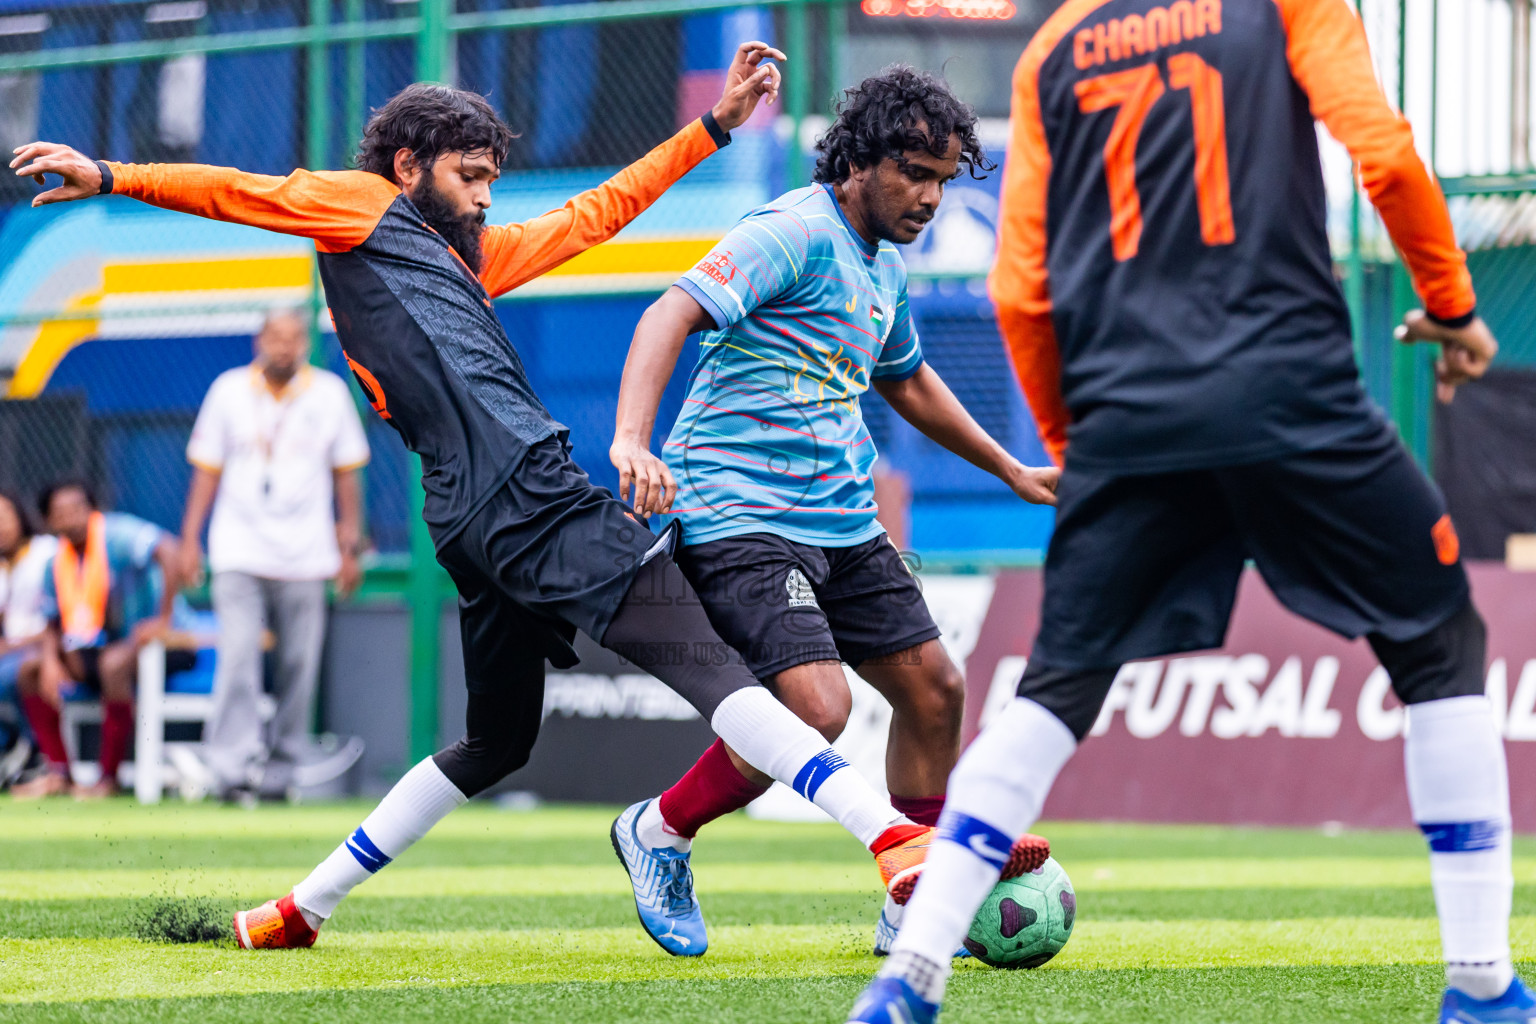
pixel 771 438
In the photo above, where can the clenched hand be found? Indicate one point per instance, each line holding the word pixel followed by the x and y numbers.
pixel 1465 351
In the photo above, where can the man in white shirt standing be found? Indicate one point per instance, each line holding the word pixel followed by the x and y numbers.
pixel 275 442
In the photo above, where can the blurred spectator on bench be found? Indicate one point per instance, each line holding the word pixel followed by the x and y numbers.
pixel 276 451
pixel 23 559
pixel 107 591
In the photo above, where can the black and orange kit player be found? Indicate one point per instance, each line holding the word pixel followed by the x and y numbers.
pixel 1165 290
pixel 419 332
pixel 534 549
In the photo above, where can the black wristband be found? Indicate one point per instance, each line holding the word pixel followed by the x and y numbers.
pixel 106 178
pixel 720 135
pixel 1455 322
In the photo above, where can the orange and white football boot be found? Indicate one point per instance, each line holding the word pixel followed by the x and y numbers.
pixel 276 924
pixel 902 851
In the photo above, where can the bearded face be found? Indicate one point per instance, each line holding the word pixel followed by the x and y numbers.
pixel 459 228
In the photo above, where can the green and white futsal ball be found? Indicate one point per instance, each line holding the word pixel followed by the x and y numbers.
pixel 1026 920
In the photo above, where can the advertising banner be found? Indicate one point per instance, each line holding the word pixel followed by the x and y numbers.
pixel 1285 724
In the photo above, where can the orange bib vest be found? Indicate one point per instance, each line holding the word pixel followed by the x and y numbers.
pixel 82 584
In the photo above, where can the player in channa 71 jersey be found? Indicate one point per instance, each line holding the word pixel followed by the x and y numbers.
pixel 1165 288
pixel 535 550
pixel 805 305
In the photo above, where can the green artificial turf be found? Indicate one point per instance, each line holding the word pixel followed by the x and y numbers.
pixel 502 916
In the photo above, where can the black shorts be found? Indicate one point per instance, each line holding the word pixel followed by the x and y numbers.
pixel 548 554
pixel 176 660
pixel 1353 537
pixel 783 604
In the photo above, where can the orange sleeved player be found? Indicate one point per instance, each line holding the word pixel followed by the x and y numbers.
pixel 1165 288
pixel 1163 182
pixel 412 313
pixel 341 210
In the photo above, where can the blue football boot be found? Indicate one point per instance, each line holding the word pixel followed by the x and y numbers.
pixel 1516 1006
pixel 663 884
pixel 890 923
pixel 892 1001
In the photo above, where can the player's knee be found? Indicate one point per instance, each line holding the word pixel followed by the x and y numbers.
pixel 937 701
pixel 1448 661
pixel 117 684
pixel 825 711
pixel 474 766
pixel 1072 695
pixel 948 694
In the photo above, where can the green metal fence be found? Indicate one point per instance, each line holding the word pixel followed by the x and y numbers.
pixel 199 63
pixel 316 66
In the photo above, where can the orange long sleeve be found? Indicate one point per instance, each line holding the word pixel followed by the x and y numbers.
pixel 338 209
pixel 1330 59
pixel 1019 283
pixel 518 253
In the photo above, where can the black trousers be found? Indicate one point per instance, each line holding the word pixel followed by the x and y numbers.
pixel 660 626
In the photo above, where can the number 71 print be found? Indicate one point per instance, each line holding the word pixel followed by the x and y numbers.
pixel 1135 91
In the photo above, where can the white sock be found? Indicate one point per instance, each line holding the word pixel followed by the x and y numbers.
pixel 771 739
pixel 408 811
pixel 1458 786
pixel 927 977
pixel 994 795
pixel 892 912
pixel 654 832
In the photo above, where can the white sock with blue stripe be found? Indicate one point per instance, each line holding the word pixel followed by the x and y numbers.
pixel 771 739
pixel 995 793
pixel 1458 786
pixel 408 811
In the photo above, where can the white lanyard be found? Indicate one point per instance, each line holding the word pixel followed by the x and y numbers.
pixel 266 441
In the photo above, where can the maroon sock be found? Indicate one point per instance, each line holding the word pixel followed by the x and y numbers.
pixel 116 729
pixel 922 809
pixel 711 788
pixel 43 717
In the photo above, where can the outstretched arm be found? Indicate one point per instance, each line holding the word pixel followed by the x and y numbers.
pixel 757 261
pixel 517 253
pixel 926 402
pixel 652 357
pixel 338 209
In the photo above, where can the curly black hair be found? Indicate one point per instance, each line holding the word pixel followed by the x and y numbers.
pixel 899 109
pixel 68 483
pixel 431 120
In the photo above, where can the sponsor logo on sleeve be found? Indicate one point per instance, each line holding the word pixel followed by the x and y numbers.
pixel 717 266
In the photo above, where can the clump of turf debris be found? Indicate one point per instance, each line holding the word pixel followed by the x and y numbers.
pixel 181 920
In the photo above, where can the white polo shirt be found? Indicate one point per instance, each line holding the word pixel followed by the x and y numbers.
pixel 21 588
pixel 274 516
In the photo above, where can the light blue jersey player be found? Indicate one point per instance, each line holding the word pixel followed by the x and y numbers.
pixel 768 469
pixel 808 315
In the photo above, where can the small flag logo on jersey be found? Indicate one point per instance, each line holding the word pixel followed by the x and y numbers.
pixel 876 314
